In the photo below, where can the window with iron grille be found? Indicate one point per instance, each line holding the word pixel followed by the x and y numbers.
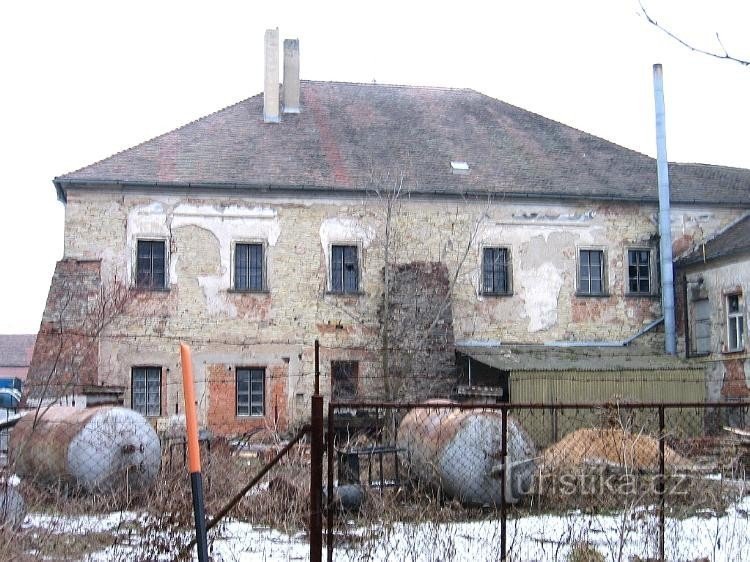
pixel 151 258
pixel 344 269
pixel 639 271
pixel 248 267
pixel 735 323
pixel 344 380
pixel 145 388
pixel 591 280
pixel 496 271
pixel 251 391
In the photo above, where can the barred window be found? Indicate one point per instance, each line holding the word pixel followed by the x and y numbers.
pixel 496 271
pixel 251 391
pixel 150 268
pixel 344 269
pixel 591 279
pixel 146 391
pixel 248 267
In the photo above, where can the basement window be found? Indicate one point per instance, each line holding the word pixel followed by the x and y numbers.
pixel 145 388
pixel 459 167
pixel 251 391
pixel 735 322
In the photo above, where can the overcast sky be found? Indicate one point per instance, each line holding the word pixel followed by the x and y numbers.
pixel 83 80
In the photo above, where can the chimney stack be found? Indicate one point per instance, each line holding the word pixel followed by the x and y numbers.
pixel 291 76
pixel 271 88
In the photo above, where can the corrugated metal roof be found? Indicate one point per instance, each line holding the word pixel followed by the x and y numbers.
pixel 547 358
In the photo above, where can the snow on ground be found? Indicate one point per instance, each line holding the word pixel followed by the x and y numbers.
pixel 542 537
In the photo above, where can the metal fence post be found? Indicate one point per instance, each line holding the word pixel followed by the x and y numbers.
pixel 316 468
pixel 661 487
pixel 503 472
pixel 329 504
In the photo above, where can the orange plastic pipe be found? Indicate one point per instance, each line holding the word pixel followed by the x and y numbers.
pixel 191 418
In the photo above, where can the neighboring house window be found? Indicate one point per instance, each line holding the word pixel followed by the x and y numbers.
pixel 248 267
pixel 344 379
pixel 146 391
pixel 344 269
pixel 639 271
pixel 591 280
pixel 151 260
pixel 496 271
pixel 702 326
pixel 735 323
pixel 251 391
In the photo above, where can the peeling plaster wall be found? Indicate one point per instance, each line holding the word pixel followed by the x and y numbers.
pixel 201 308
pixel 727 374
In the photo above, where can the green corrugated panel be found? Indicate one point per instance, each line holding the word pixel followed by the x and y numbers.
pixel 546 426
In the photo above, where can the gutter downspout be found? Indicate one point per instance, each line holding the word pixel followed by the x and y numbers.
pixel 665 233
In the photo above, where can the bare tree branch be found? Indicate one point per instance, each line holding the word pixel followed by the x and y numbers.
pixel 724 56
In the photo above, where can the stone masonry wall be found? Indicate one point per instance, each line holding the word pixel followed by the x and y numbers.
pixel 276 328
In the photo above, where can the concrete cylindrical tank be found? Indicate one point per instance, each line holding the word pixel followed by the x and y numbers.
pixel 460 452
pixel 97 449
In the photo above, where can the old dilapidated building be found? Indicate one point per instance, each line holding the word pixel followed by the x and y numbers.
pixel 713 283
pixel 369 216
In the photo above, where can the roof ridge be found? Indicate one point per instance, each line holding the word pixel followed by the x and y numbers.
pixel 388 85
pixel 134 147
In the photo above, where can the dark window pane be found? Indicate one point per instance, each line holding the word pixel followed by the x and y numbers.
pixel 146 390
pixel 344 375
pixel 344 269
pixel 250 392
pixel 150 265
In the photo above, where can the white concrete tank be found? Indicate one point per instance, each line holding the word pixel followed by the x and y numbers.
pixel 97 449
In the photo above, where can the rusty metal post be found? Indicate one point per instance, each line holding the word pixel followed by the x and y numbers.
pixel 660 489
pixel 503 510
pixel 316 467
pixel 329 506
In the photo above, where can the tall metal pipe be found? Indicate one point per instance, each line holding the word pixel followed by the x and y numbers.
pixel 665 232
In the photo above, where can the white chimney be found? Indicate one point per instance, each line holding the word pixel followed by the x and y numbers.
pixel 271 88
pixel 291 76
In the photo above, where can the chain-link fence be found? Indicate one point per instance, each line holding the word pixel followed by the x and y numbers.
pixel 581 482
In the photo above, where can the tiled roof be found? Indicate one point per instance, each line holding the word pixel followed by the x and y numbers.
pixel 733 241
pixel 16 350
pixel 346 133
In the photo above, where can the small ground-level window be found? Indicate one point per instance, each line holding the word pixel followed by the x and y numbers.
pixel 735 323
pixel 146 391
pixel 251 391
pixel 344 379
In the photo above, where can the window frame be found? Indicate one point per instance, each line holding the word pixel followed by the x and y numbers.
pixel 263 274
pixel 603 272
pixel 354 377
pixel 738 317
pixel 343 290
pixel 508 267
pixel 137 271
pixel 652 280
pixel 146 371
pixel 248 413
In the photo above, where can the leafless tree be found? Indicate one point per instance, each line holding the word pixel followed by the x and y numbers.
pixel 722 54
